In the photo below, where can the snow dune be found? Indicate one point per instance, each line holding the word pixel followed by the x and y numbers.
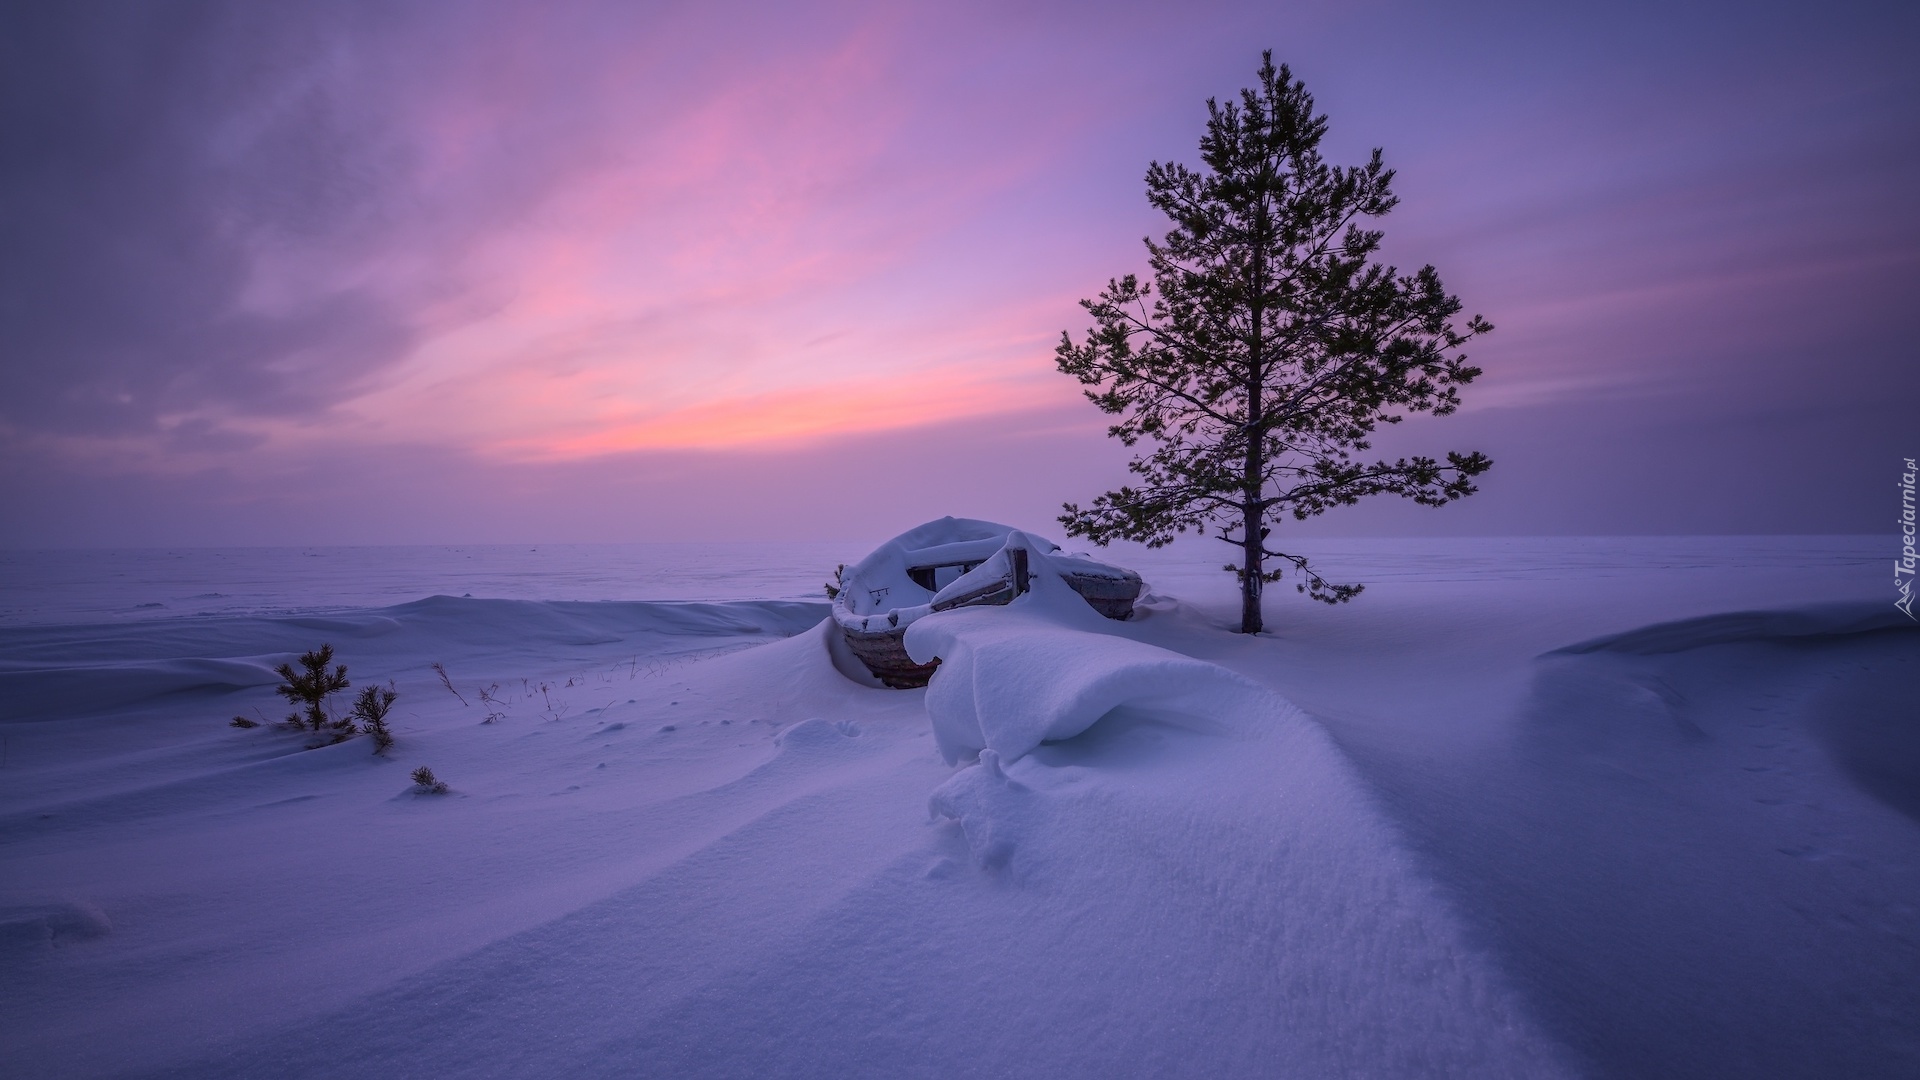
pixel 1815 624
pixel 686 845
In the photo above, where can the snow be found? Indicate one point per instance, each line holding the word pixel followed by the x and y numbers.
pixel 879 585
pixel 1526 808
pixel 1046 667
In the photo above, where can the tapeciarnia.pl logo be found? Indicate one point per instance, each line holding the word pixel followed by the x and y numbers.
pixel 1903 566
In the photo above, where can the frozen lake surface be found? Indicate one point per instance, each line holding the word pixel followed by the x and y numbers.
pixel 1623 807
pixel 105 585
pixel 116 585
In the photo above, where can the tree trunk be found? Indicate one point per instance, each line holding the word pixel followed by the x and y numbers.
pixel 1251 582
pixel 1253 469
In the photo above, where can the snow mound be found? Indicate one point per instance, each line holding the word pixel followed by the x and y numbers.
pixel 1150 866
pixel 816 733
pixel 36 691
pixel 1047 667
pixel 1169 807
pixel 1818 621
pixel 32 924
pixel 987 804
pixel 65 671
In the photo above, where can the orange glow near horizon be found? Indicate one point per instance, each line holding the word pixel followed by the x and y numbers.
pixel 270 258
pixel 792 416
pixel 585 392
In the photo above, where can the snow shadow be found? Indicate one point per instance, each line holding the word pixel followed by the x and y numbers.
pixel 1868 720
pixel 1699 852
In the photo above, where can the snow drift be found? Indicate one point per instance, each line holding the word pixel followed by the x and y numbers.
pixel 1046 668
pixel 681 843
pixel 1810 624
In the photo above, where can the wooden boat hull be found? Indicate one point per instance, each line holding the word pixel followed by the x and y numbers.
pixel 885 654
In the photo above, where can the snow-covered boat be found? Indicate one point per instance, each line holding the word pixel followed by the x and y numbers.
pixel 951 563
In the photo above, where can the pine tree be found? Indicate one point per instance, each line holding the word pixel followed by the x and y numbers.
pixel 1268 348
pixel 312 686
pixel 371 709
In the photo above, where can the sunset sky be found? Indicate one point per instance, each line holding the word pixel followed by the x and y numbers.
pixel 466 272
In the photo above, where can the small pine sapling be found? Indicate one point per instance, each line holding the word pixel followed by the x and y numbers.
pixel 312 686
pixel 242 722
pixel 428 783
pixel 371 709
pixel 839 582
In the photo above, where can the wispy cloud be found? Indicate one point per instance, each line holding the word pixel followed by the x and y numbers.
pixel 246 237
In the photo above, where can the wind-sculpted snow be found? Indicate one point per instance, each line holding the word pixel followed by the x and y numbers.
pixel 78 670
pixel 679 842
pixel 1805 624
pixel 718 861
pixel 26 925
pixel 1046 667
pixel 1107 767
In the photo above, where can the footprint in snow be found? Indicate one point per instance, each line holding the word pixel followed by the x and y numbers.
pixel 815 732
pixel 35 924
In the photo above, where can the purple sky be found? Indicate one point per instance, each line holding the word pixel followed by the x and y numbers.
pixel 470 272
